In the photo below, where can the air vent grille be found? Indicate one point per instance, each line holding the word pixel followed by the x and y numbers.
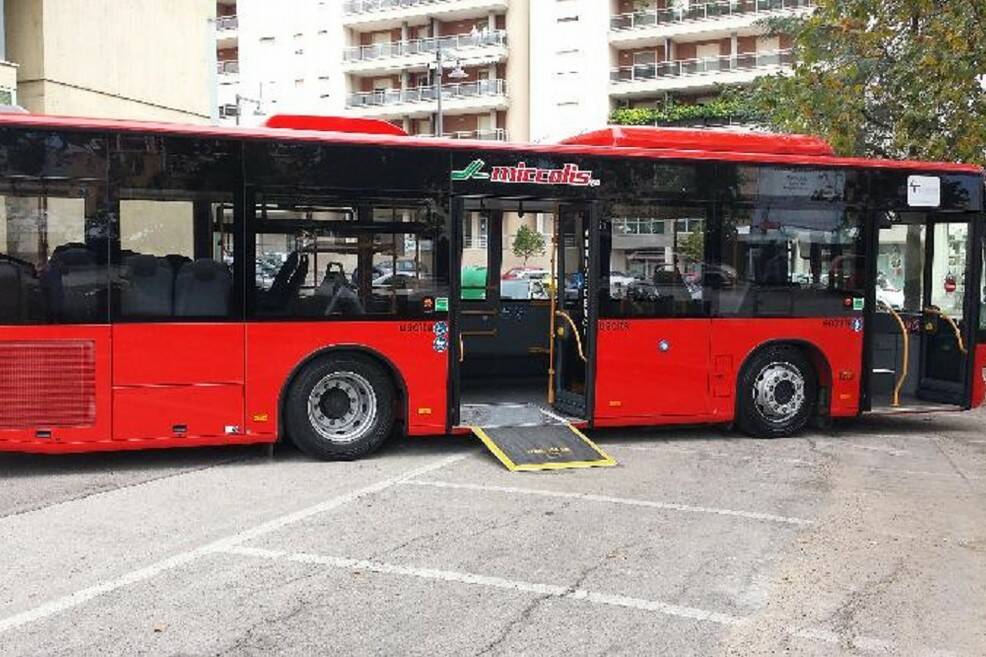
pixel 47 384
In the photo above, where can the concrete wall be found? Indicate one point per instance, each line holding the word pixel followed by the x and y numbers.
pixel 152 59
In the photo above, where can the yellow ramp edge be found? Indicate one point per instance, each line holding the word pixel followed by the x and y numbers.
pixel 604 460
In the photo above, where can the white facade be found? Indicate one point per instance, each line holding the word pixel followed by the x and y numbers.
pixel 531 70
pixel 570 63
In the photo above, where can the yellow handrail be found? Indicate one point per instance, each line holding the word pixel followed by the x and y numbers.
pixel 575 330
pixel 905 361
pixel 951 322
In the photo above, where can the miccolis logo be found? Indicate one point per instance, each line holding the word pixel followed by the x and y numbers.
pixel 570 174
pixel 472 172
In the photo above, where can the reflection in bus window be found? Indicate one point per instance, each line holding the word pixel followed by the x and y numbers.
pixel 53 262
pixel 656 261
pixel 316 259
pixel 54 229
pixel 790 261
pixel 948 268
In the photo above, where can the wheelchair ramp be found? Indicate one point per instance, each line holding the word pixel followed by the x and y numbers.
pixel 525 438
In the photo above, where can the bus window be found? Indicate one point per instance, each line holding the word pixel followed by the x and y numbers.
pixel 176 256
pixel 54 230
pixel 790 261
pixel 177 237
pixel 318 259
pixel 475 256
pixel 654 265
pixel 948 267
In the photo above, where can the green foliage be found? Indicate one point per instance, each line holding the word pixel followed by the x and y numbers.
pixel 527 243
pixel 693 246
pixel 890 78
pixel 728 106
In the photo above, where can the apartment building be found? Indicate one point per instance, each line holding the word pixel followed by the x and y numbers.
pixel 378 58
pixel 103 58
pixel 523 70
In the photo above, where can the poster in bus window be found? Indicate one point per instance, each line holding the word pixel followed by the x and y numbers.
pixel 816 185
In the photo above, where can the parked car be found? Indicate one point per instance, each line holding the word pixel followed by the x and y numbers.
pixel 520 273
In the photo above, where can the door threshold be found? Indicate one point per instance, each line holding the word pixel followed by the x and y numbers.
pixel 513 414
pixel 915 409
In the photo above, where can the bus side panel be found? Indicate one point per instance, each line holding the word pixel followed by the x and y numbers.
pixel 54 386
pixel 648 369
pixel 178 381
pixel 979 377
pixel 838 339
pixel 276 350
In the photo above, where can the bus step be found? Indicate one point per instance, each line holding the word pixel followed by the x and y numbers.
pixel 544 447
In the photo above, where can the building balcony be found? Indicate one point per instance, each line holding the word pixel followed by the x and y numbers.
pixel 228 71
pixel 227 31
pixel 380 58
pixel 710 20
pixel 387 14
pixel 696 75
pixel 481 95
pixel 227 23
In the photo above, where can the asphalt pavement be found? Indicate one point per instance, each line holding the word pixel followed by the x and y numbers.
pixel 869 539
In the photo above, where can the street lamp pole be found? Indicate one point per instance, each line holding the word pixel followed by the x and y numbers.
pixel 439 119
pixel 240 99
pixel 456 74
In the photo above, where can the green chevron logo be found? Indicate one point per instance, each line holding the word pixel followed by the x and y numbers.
pixel 472 172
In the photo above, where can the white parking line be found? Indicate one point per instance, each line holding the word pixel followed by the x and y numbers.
pixel 862 643
pixel 552 590
pixel 64 603
pixel 608 499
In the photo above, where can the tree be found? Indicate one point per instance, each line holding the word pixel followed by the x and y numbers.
pixel 885 78
pixel 527 243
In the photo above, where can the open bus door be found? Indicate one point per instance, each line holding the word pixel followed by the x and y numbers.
pixel 575 307
pixel 927 293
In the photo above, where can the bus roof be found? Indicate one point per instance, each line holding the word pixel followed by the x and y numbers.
pixel 714 144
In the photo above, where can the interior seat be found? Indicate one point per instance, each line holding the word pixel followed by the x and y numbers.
pixel 203 289
pixel 77 284
pixel 149 287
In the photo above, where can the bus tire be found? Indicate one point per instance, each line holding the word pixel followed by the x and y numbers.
pixel 777 393
pixel 340 408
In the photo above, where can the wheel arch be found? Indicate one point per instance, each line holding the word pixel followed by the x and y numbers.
pixel 400 386
pixel 819 363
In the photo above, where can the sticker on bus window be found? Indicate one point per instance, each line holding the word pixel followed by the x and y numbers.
pixel 923 191
pixel 858 304
pixel 441 305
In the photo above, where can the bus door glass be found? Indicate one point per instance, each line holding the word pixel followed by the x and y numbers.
pixel 573 313
pixel 945 326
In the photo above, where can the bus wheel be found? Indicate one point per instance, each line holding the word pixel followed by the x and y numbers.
pixel 777 393
pixel 340 408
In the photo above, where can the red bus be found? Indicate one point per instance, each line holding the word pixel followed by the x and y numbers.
pixel 166 285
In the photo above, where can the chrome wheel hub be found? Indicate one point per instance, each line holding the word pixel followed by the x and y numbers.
pixel 342 407
pixel 779 392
